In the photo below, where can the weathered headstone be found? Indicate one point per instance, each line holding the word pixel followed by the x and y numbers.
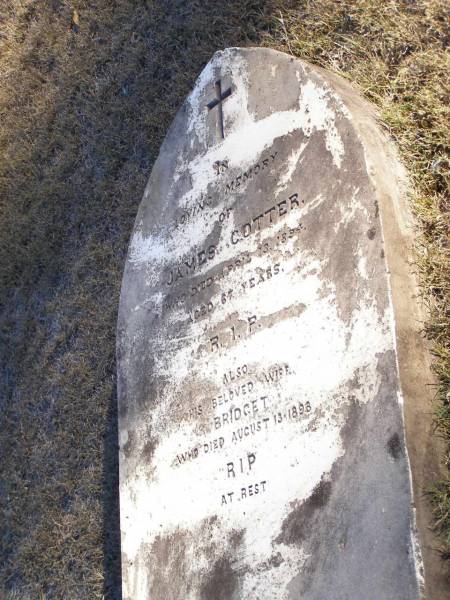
pixel 262 450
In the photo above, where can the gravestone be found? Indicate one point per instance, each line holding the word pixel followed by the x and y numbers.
pixel 262 451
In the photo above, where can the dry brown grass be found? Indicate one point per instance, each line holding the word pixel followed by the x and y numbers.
pixel 87 92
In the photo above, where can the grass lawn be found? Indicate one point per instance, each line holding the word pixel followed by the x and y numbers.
pixel 88 90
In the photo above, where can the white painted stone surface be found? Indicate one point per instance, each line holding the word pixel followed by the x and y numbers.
pixel 261 437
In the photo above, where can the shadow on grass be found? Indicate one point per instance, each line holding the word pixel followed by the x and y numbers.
pixel 112 587
pixel 186 37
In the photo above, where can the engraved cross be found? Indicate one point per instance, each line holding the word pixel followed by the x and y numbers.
pixel 218 102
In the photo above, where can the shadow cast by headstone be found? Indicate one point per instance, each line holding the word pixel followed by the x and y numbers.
pixel 112 587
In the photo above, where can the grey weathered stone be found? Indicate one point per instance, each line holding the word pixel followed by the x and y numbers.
pixel 262 448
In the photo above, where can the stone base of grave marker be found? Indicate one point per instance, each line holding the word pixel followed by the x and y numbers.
pixel 262 444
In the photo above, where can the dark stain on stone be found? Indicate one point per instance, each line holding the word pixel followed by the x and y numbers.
pixel 221 582
pixel 324 290
pixel 394 446
pixel 371 233
pixel 355 383
pixel 166 561
pixel 352 419
pixel 236 537
pixel 174 574
pixel 382 253
pixel 377 210
pixel 297 525
pixel 128 446
pixel 276 560
pixel 211 521
pixel 149 449
pixel 281 315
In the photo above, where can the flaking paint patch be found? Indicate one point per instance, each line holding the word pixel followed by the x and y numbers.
pixel 313 113
pixel 292 164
